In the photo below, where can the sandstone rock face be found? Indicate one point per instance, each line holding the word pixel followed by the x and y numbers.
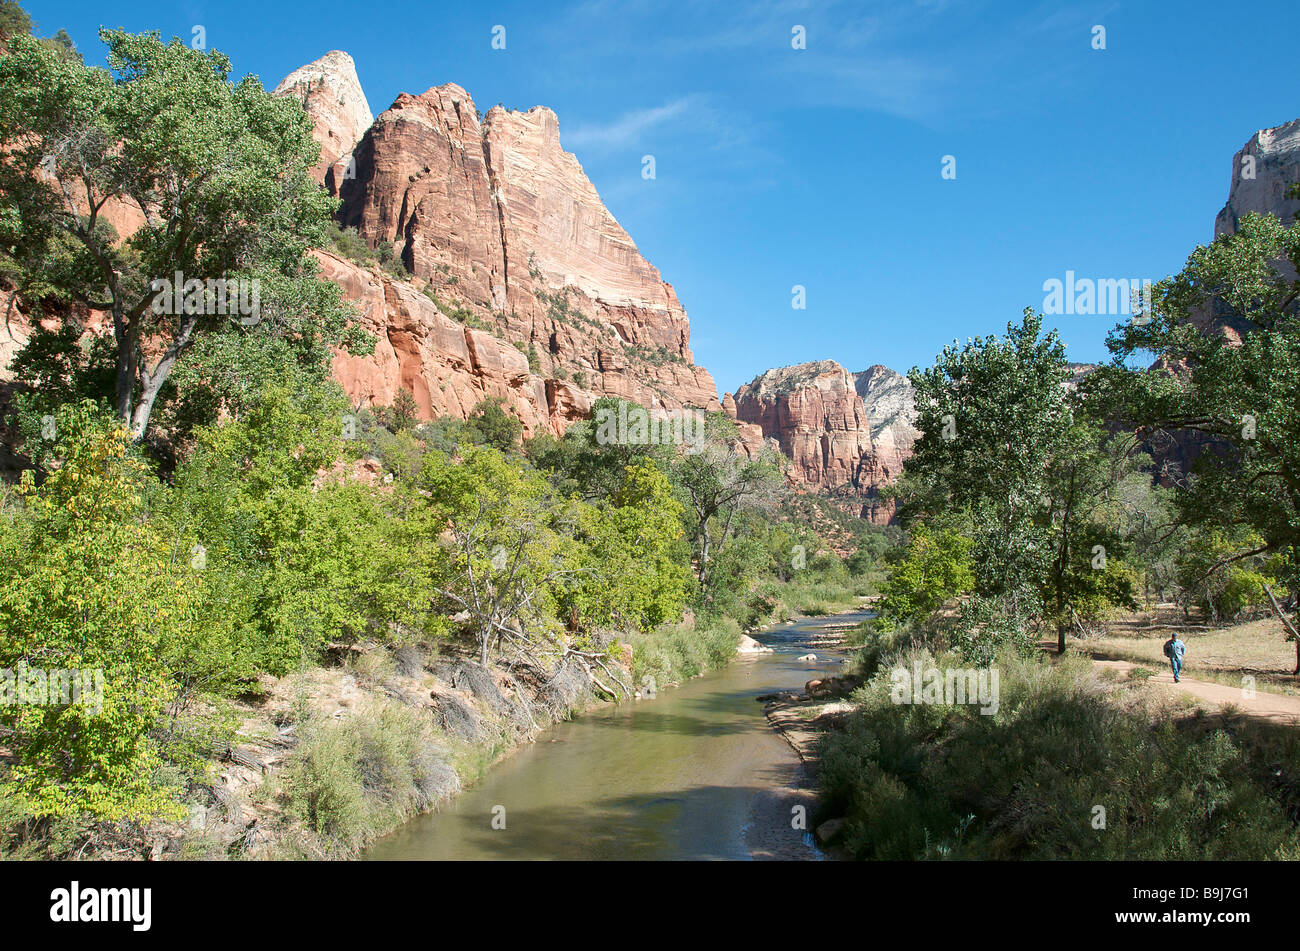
pixel 846 434
pixel 1275 168
pixel 447 366
pixel 888 400
pixel 332 95
pixel 495 218
pixel 814 412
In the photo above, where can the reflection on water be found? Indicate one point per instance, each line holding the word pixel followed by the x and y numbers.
pixel 677 777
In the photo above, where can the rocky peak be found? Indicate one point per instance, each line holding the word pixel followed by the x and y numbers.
pixel 331 93
pixel 500 228
pixel 1275 168
pixel 847 434
pixel 887 397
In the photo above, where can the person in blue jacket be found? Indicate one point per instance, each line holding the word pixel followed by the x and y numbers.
pixel 1174 650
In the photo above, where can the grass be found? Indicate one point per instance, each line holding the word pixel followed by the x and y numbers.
pixel 810 597
pixel 676 652
pixel 1221 656
pixel 353 780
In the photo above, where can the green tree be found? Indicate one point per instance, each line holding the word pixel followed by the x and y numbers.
pixel 1009 455
pixel 1227 324
pixel 582 462
pixel 405 410
pixel 629 573
pixel 717 483
pixel 13 19
pixel 933 567
pixel 490 425
pixel 218 171
pixel 504 561
pixel 90 585
pixel 296 558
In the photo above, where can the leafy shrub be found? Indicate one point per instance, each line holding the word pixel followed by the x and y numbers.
pixel 353 780
pixel 930 781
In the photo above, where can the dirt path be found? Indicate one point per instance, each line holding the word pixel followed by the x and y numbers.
pixel 1265 706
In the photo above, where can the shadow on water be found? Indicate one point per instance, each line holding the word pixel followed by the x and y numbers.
pixel 681 825
pixel 695 773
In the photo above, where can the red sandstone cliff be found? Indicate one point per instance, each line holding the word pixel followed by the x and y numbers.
pixel 493 217
pixel 846 434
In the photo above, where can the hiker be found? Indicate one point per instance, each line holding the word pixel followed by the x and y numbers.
pixel 1174 650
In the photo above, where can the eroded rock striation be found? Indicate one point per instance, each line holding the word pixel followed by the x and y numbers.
pixel 500 226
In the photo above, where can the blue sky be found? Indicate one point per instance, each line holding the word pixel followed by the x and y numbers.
pixel 822 166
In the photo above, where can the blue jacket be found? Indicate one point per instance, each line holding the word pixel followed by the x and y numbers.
pixel 1177 649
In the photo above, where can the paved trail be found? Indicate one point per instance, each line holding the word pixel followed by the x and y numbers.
pixel 1265 706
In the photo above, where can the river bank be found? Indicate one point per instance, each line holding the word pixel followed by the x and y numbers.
pixel 326 761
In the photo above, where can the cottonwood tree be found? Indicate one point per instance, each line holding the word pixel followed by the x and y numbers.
pixel 1006 454
pixel 1226 334
pixel 218 174
pixel 509 552
pixel 718 482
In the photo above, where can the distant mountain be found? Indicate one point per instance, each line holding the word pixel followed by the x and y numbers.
pixel 846 434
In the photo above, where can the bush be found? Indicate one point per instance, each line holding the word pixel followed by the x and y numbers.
pixel 354 780
pixel 919 781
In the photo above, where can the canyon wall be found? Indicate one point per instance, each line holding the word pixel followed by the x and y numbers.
pixel 502 233
pixel 846 434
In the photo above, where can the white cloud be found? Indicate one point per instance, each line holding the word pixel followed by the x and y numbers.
pixel 628 129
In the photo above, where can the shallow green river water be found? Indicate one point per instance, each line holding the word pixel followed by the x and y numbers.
pixel 696 773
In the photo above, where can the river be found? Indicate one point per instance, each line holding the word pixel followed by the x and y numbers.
pixel 695 773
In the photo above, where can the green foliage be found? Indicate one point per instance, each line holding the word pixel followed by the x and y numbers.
pixel 86 585
pixel 490 425
pixel 581 462
pixel 935 781
pixel 1012 458
pixel 222 173
pixel 933 567
pixel 1224 589
pixel 462 315
pixel 13 19
pixel 1242 396
pixel 677 652
pixel 347 243
pixel 299 561
pixel 628 573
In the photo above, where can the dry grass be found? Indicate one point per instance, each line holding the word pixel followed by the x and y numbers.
pixel 1221 655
